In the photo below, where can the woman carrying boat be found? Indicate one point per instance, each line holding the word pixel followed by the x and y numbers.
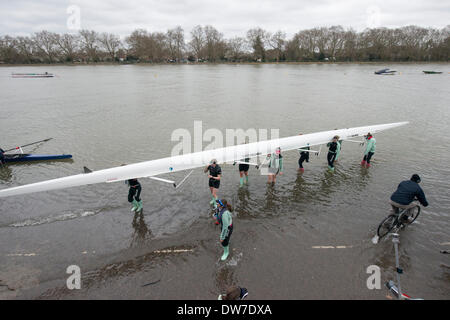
pixel 370 150
pixel 275 165
pixel 304 156
pixel 333 152
pixel 243 172
pixel 226 225
pixel 2 156
pixel 134 194
pixel 215 173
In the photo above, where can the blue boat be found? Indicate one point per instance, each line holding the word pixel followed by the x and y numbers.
pixel 25 157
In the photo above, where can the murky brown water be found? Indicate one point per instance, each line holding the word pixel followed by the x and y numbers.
pixel 108 115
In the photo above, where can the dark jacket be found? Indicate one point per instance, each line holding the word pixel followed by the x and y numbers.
pixel 407 191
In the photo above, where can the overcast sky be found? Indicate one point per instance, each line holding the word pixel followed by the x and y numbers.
pixel 231 17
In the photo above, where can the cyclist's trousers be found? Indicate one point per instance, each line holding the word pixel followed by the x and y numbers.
pixel 396 206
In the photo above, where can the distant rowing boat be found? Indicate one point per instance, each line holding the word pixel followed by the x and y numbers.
pixel 26 157
pixel 432 72
pixel 33 75
pixel 385 71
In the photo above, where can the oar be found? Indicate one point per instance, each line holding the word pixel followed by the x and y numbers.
pixel 29 144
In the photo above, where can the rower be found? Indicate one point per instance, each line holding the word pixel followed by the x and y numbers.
pixel 243 170
pixel 304 156
pixel 215 173
pixel 2 156
pixel 134 194
pixel 275 165
pixel 226 224
pixel 333 152
pixel 370 150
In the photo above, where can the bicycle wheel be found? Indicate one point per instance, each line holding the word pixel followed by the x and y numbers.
pixel 386 225
pixel 412 213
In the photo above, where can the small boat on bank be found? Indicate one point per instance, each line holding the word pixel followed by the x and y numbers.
pixel 26 157
pixel 386 71
pixel 33 75
pixel 432 72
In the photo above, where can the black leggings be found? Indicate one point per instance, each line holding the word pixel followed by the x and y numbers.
pixel 302 159
pixel 135 192
pixel 368 157
pixel 330 157
pixel 226 241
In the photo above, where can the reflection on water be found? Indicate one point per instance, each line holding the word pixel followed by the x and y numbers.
pixel 224 278
pixel 141 232
pixel 5 173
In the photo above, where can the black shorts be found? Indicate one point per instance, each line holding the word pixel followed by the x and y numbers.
pixel 226 241
pixel 214 183
pixel 243 167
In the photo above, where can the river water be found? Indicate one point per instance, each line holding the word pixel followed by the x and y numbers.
pixel 307 237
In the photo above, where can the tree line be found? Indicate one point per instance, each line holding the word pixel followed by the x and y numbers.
pixel 207 44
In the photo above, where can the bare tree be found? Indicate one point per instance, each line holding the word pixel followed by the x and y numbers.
pixel 45 44
pixel 214 44
pixel 25 48
pixel 257 38
pixel 197 43
pixel 89 44
pixel 8 50
pixel 69 45
pixel 410 43
pixel 235 48
pixel 137 43
pixel 175 43
pixel 277 42
pixel 111 43
pixel 336 40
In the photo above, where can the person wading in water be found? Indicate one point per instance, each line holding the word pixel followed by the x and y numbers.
pixel 304 156
pixel 215 173
pixel 333 152
pixel 134 194
pixel 2 156
pixel 370 150
pixel 226 225
pixel 275 165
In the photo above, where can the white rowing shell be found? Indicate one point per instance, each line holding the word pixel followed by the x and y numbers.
pixel 195 160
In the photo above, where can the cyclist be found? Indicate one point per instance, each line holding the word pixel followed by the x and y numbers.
pixel 405 194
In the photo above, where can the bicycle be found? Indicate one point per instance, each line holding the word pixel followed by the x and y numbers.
pixel 398 220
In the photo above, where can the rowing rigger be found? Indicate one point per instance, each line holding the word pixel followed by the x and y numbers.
pixel 153 168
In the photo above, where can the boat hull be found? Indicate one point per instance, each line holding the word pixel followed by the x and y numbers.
pixel 25 157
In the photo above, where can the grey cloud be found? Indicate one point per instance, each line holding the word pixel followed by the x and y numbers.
pixel 231 17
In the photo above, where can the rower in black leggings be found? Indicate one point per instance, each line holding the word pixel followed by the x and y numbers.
pixel 304 156
pixel 2 156
pixel 333 152
pixel 134 194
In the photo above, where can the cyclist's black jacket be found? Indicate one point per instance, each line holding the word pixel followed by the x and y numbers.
pixel 407 191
